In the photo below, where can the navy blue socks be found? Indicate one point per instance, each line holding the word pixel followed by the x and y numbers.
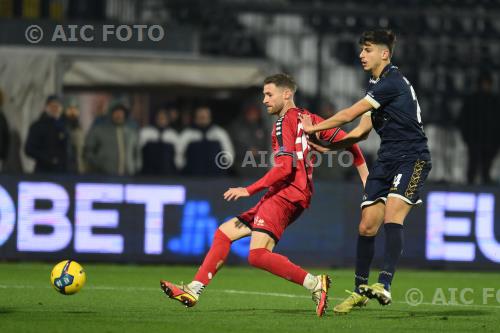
pixel 393 250
pixel 364 255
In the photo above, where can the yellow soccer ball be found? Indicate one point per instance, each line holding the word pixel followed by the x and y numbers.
pixel 68 277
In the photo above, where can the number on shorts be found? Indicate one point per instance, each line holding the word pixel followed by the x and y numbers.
pixel 397 180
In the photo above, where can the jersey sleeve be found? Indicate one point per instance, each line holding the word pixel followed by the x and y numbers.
pixel 286 132
pixel 326 135
pixel 279 172
pixel 354 149
pixel 382 93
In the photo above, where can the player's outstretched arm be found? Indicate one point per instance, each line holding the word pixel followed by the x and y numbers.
pixel 358 156
pixel 358 134
pixel 279 172
pixel 342 117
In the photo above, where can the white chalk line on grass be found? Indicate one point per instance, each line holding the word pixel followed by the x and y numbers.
pixel 245 292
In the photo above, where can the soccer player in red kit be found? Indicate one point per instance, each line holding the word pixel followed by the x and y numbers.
pixel 289 185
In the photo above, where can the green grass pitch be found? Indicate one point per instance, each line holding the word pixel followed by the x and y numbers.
pixel 127 298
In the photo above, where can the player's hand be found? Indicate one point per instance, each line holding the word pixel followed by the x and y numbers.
pixel 234 193
pixel 317 146
pixel 307 124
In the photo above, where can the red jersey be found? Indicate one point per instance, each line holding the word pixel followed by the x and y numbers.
pixel 290 141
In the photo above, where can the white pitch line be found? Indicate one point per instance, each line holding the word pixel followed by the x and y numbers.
pixel 242 292
pixel 246 292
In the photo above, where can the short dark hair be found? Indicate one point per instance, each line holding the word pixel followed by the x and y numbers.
pixel 379 36
pixel 118 107
pixel 52 98
pixel 282 80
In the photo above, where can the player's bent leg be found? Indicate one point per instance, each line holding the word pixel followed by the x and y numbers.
pixel 409 177
pixel 214 259
pixel 261 256
pixel 372 217
pixel 396 211
pixel 227 233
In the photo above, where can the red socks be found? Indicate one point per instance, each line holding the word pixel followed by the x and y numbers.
pixel 277 264
pixel 214 259
pixel 261 258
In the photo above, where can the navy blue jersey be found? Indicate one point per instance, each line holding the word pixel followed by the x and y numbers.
pixel 396 116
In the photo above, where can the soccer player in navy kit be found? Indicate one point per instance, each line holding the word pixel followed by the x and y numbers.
pixel 395 180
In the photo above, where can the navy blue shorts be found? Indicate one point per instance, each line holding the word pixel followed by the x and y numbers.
pixel 401 179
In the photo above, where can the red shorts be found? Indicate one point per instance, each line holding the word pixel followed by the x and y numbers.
pixel 271 215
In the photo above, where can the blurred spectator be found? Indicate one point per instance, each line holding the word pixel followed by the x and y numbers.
pixel 4 135
pixel 199 146
pixel 111 147
pixel 13 163
pixel 250 136
pixel 100 111
pixel 158 146
pixel 478 123
pixel 10 144
pixel 186 119
pixel 174 118
pixel 76 138
pixel 47 141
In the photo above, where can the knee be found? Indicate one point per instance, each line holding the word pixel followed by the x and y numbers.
pixel 256 257
pixel 367 229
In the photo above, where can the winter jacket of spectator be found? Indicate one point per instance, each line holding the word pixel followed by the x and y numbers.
pixel 47 144
pixel 197 150
pixel 158 148
pixel 101 149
